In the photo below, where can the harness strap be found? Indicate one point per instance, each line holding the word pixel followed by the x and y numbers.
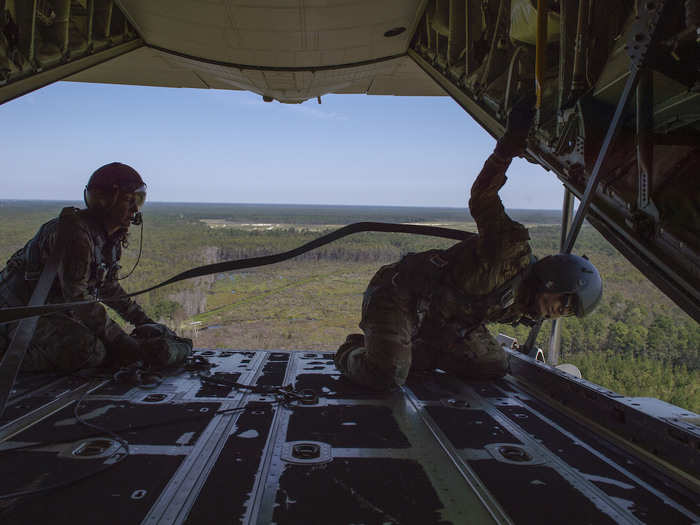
pixel 503 296
pixel 12 360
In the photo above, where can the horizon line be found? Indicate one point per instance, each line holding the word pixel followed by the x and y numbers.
pixel 465 208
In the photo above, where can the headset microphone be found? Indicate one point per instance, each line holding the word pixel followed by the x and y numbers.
pixel 137 218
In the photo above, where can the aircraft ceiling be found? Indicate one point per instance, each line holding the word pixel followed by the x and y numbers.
pixel 290 50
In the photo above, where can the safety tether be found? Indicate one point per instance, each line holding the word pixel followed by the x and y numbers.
pixel 16 313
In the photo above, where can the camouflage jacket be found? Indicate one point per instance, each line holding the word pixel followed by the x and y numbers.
pixel 88 270
pixel 455 287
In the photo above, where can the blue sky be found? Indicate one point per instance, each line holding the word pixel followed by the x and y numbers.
pixel 226 146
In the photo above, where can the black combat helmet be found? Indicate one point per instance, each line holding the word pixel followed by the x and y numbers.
pixel 571 275
pixel 111 180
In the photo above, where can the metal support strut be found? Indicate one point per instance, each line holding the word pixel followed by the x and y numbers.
pixel 645 146
pixel 567 213
pixel 602 156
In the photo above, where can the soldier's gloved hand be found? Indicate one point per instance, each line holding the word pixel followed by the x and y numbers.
pixel 125 349
pixel 155 351
pixel 520 120
pixel 164 351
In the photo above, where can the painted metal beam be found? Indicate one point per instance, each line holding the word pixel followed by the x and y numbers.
pixel 43 78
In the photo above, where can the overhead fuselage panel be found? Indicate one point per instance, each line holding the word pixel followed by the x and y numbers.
pixel 290 51
pixel 290 34
pixel 154 67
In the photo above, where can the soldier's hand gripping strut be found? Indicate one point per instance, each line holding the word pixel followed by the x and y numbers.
pixel 520 120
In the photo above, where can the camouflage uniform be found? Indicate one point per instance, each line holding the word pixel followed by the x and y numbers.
pixel 83 336
pixel 429 309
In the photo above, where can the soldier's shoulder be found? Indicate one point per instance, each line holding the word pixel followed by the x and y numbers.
pixel 48 226
pixel 435 258
pixel 513 239
pixel 80 221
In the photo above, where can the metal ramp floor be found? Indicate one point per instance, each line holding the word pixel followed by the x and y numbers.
pixel 438 451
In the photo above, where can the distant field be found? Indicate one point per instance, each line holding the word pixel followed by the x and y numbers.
pixel 315 303
pixel 637 342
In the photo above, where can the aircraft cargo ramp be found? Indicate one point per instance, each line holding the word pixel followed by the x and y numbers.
pixel 324 451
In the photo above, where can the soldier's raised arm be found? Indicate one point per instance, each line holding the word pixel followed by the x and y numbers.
pixel 485 204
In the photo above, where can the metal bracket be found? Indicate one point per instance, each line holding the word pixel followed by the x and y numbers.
pixel 514 454
pixel 641 33
pixel 645 145
pixel 306 452
pixel 92 448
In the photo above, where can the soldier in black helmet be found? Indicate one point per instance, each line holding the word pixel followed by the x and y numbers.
pixel 85 336
pixel 429 310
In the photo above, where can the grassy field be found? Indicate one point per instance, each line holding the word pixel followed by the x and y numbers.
pixel 310 306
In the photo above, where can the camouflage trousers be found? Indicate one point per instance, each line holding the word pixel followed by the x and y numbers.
pixel 60 343
pixel 389 350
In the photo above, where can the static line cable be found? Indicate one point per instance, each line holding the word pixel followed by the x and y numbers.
pixel 138 258
pixel 16 313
